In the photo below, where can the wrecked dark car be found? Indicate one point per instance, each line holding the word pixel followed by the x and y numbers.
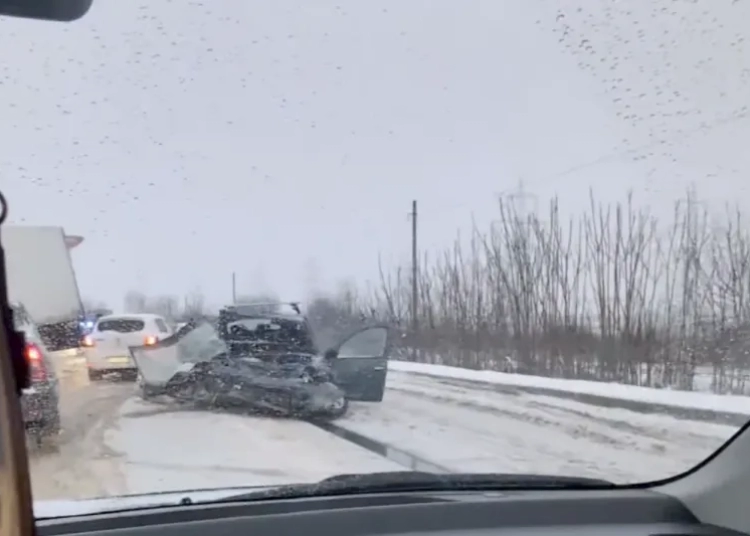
pixel 258 367
pixel 358 361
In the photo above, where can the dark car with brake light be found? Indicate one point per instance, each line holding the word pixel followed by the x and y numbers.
pixel 40 402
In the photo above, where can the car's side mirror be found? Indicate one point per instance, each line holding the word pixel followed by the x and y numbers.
pixel 56 10
pixel 331 354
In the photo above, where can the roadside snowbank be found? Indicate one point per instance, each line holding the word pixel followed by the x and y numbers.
pixel 614 391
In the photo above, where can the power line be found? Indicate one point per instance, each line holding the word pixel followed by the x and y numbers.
pixel 733 117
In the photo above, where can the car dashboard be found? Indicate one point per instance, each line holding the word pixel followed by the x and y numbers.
pixel 465 513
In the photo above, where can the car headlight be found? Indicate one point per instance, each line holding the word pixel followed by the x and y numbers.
pixel 323 376
pixel 313 375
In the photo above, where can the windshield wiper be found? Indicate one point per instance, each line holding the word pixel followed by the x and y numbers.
pixel 417 481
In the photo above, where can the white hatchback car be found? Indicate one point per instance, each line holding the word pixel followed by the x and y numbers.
pixel 108 345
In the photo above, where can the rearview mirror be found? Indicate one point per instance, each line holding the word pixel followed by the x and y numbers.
pixel 331 354
pixel 55 10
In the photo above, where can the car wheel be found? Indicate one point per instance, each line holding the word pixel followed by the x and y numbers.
pixel 37 435
pixel 378 397
pixel 129 375
pixel 48 444
pixel 43 440
pixel 146 392
pixel 94 375
pixel 338 408
pixel 53 427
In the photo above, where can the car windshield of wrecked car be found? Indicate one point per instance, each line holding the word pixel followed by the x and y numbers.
pixel 264 329
pixel 200 344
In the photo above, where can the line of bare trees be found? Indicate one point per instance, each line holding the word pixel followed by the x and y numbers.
pixel 173 308
pixel 610 295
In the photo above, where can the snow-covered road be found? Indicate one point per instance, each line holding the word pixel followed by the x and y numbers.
pixel 172 450
pixel 115 444
pixel 82 466
pixel 467 429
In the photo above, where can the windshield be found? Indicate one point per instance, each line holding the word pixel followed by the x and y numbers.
pixel 270 332
pixel 254 326
pixel 121 325
pixel 255 308
pixel 487 237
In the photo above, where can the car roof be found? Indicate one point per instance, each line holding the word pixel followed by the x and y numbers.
pixel 245 310
pixel 292 305
pixel 283 316
pixel 130 316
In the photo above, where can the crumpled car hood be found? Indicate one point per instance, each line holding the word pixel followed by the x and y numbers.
pixel 289 365
pixel 158 363
pixel 65 508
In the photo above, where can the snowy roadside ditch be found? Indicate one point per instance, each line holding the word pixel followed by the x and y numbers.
pixel 708 407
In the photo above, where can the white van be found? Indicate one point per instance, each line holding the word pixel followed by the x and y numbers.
pixel 107 346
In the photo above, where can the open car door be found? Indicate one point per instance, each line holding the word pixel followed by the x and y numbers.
pixel 360 363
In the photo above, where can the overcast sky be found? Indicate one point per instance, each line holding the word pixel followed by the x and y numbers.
pixel 285 140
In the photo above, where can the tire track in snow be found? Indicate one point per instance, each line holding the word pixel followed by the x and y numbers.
pixel 541 420
pixel 230 449
pixel 478 429
pixel 403 457
pixel 464 440
pixel 605 425
pixel 692 414
pixel 81 466
pixel 700 434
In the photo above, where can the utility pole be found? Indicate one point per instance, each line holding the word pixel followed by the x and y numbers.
pixel 234 288
pixel 414 267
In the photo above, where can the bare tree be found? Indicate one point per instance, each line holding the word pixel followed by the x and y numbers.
pixel 612 295
pixel 93 305
pixel 264 303
pixel 166 306
pixel 194 305
pixel 135 302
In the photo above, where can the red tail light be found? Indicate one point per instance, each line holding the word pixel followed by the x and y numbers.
pixel 37 367
pixel 150 340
